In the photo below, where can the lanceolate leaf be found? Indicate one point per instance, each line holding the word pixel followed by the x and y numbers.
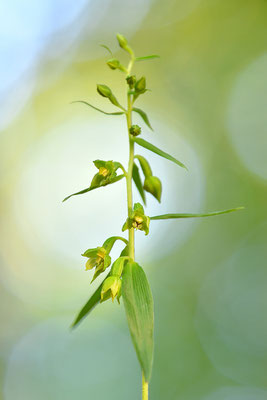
pixel 138 302
pixel 81 192
pixel 144 116
pixel 138 182
pixel 211 214
pixel 88 307
pixel 98 109
pixel 156 150
pixel 116 179
pixel 151 57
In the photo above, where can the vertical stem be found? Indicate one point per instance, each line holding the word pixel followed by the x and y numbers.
pixel 129 175
pixel 130 193
pixel 131 160
pixel 144 388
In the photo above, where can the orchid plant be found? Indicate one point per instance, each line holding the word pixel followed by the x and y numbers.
pixel 126 277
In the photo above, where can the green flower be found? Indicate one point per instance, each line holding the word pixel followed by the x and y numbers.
pixel 137 220
pixel 99 259
pixel 106 172
pixel 111 288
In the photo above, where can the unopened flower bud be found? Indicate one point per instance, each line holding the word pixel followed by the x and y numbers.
pixel 122 41
pixel 153 185
pixel 131 80
pixel 140 86
pixel 104 91
pixel 124 44
pixel 135 130
pixel 113 63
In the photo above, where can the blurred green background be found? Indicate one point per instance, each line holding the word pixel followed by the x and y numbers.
pixel 208 108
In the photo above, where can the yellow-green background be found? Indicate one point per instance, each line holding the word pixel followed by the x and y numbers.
pixel 208 107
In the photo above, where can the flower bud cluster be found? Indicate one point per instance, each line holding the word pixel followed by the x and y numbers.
pixel 135 130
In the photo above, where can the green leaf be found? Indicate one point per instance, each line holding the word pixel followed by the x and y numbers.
pixel 81 192
pixel 138 182
pixel 97 109
pixel 88 307
pixel 116 179
pixel 211 214
pixel 151 57
pixel 125 251
pixel 107 48
pixel 147 171
pixel 138 302
pixel 143 115
pixel 156 150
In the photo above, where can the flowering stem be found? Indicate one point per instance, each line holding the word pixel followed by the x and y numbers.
pixel 130 165
pixel 130 192
pixel 129 181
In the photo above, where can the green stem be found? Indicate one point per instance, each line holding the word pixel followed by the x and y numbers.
pixel 129 176
pixel 144 388
pixel 131 162
pixel 130 192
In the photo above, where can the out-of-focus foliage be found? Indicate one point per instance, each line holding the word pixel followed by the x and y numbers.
pixel 209 282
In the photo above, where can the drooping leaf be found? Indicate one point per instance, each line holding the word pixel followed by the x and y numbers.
pixel 143 115
pixel 211 214
pixel 147 171
pixel 98 109
pixel 88 307
pixel 144 58
pixel 107 48
pixel 116 179
pixel 153 185
pixel 156 150
pixel 138 182
pixel 138 302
